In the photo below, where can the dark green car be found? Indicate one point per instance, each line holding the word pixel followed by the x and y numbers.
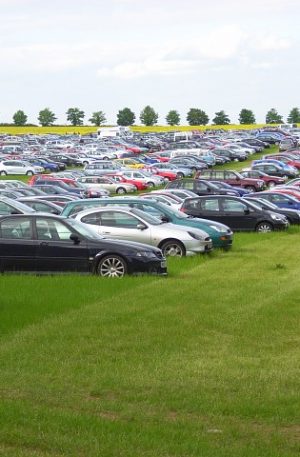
pixel 220 234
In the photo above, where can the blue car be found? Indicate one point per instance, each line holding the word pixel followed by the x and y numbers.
pixel 278 199
pixel 284 166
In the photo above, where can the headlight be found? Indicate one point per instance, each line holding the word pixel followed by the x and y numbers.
pixel 149 254
pixel 276 217
pixel 218 229
pixel 195 236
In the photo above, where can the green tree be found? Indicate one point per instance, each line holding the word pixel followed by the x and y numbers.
pixel 19 118
pixel 272 117
pixel 46 117
pixel 173 118
pixel 294 116
pixel 246 116
pixel 75 116
pixel 125 117
pixel 148 116
pixel 197 116
pixel 221 118
pixel 98 118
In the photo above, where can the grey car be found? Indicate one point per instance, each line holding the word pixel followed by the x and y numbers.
pixel 134 225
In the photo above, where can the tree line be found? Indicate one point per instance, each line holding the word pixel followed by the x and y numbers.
pixel 149 117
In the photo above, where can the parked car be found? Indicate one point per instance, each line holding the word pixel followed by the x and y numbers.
pixel 135 225
pixel 292 215
pixel 237 213
pixel 41 205
pixel 269 180
pixel 200 187
pixel 278 199
pixel 220 234
pixel 48 243
pixel 273 169
pixel 10 206
pixel 19 167
pixel 233 178
pixel 106 183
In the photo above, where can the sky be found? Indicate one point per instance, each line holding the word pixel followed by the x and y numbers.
pixel 169 54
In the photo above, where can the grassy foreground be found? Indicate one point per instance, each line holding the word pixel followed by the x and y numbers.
pixel 202 363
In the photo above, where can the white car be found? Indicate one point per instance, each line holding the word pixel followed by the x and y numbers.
pixel 104 182
pixel 131 224
pixel 19 167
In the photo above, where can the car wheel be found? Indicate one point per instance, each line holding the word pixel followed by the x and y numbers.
pixel 271 184
pixel 150 184
pixel 112 266
pixel 29 173
pixel 173 248
pixel 251 188
pixel 180 175
pixel 264 227
pixel 3 173
pixel 121 190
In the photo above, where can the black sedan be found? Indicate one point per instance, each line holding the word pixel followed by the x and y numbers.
pixel 237 213
pixel 47 243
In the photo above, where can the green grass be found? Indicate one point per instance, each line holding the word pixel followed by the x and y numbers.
pixel 202 363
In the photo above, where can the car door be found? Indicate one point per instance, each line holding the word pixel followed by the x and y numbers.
pixel 237 215
pixel 55 250
pixel 17 245
pixel 119 225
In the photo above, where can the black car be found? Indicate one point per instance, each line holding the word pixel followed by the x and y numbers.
pixel 199 186
pixel 237 213
pixel 48 243
pixel 292 215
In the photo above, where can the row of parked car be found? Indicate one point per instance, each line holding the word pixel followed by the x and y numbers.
pixel 54 227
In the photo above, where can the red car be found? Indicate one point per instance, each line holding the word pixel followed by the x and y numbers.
pixel 270 180
pixel 138 184
pixel 169 175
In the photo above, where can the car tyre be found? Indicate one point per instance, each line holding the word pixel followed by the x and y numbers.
pixel 150 184
pixel 271 184
pixel 112 266
pixel 251 188
pixel 173 248
pixel 264 227
pixel 121 190
pixel 29 173
pixel 3 173
pixel 180 175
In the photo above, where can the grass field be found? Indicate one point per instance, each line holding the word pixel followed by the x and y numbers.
pixel 202 363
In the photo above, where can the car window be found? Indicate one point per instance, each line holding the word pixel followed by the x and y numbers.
pixel 93 219
pixel 219 175
pixel 16 229
pixel 48 229
pixel 210 204
pixel 186 184
pixel 118 219
pixel 234 206
pixel 230 175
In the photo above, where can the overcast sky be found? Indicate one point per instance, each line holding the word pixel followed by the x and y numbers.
pixel 170 54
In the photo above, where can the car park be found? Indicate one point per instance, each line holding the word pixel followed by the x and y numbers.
pixel 237 213
pixel 134 225
pixel 48 243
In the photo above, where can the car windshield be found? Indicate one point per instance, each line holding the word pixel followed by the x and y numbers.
pixel 84 230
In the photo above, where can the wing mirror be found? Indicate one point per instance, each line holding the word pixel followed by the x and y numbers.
pixel 75 238
pixel 141 227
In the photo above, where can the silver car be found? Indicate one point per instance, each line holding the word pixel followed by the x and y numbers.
pixel 19 167
pixel 135 225
pixel 103 182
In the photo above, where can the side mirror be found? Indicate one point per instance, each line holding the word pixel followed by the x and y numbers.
pixel 165 219
pixel 75 238
pixel 247 211
pixel 141 227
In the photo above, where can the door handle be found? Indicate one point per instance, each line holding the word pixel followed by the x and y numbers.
pixel 44 243
pixel 106 233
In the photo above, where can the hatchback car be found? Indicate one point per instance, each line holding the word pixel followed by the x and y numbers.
pixel 237 213
pixel 135 225
pixel 48 243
